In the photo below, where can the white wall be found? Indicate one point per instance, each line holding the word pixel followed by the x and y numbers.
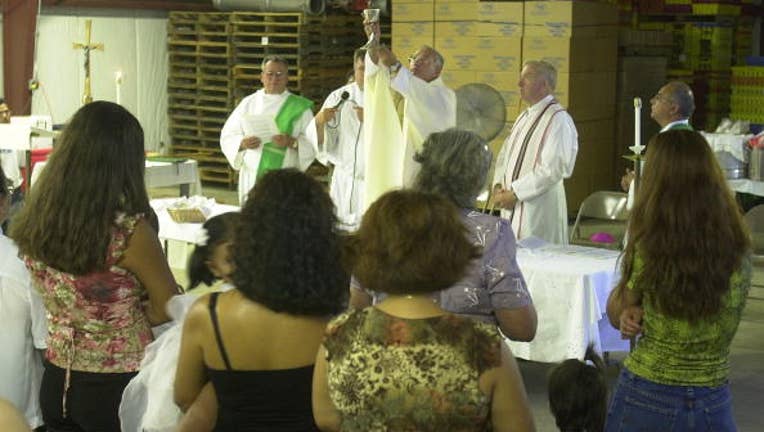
pixel 135 42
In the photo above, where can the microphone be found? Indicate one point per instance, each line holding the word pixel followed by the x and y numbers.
pixel 343 97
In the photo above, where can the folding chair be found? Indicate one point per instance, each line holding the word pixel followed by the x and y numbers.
pixel 602 211
pixel 755 220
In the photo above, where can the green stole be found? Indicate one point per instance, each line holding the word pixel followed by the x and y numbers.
pixel 272 155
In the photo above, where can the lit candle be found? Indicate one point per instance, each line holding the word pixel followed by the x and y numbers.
pixel 118 83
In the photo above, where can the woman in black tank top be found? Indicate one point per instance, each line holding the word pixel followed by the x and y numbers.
pixel 256 344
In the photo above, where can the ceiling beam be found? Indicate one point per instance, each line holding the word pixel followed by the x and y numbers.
pixel 133 4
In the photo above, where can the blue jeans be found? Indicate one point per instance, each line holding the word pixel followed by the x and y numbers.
pixel 642 405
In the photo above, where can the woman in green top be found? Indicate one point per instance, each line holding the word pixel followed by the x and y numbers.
pixel 686 273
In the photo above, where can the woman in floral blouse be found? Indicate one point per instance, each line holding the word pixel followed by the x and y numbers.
pixel 405 364
pixel 95 259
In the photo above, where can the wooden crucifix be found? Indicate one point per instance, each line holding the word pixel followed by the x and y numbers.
pixel 86 47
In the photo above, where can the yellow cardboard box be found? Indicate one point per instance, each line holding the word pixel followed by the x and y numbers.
pixel 573 54
pixel 502 81
pixel 572 13
pixel 495 29
pixel 566 31
pixel 456 11
pixel 498 54
pixel 416 11
pixel 415 29
pixel 455 78
pixel 455 28
pixel 407 45
pixel 502 12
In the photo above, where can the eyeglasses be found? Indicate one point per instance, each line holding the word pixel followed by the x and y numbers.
pixel 271 74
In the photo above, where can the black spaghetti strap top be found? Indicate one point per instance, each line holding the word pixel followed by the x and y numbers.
pixel 260 400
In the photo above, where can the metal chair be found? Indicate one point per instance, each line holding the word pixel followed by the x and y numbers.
pixel 605 211
pixel 755 220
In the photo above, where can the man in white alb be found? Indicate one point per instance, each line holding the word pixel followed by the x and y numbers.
pixel 538 155
pixel 340 142
pixel 429 106
pixel 287 146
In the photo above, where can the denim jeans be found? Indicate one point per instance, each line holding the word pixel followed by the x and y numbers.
pixel 642 405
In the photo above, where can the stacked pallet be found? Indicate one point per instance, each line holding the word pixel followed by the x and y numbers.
pixel 319 50
pixel 216 60
pixel 199 89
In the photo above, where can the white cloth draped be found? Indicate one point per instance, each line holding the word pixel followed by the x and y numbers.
pixel 382 134
pixel 343 147
pixel 541 209
pixel 247 161
pixel 24 330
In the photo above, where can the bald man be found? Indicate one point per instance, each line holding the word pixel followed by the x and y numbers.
pixel 671 108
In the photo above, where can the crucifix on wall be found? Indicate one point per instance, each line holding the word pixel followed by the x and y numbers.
pixel 86 47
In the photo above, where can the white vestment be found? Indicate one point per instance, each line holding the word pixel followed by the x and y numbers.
pixel 24 330
pixel 247 161
pixel 535 171
pixel 10 163
pixel 344 148
pixel 429 107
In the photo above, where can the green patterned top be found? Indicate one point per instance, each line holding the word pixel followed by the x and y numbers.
pixel 396 374
pixel 675 352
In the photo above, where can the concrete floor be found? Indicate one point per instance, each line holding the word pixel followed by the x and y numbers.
pixel 746 357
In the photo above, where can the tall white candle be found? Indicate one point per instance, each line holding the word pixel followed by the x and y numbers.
pixel 118 83
pixel 637 122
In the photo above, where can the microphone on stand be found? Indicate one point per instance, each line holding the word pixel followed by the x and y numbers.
pixel 343 97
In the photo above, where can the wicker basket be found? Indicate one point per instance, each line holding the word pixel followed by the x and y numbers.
pixel 187 215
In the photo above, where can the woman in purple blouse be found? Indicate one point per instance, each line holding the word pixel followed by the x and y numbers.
pixel 455 164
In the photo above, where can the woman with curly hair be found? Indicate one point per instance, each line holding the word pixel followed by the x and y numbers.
pixel 93 255
pixel 455 163
pixel 686 272
pixel 256 344
pixel 406 364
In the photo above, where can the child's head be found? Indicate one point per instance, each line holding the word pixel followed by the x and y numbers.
pixel 210 259
pixel 578 394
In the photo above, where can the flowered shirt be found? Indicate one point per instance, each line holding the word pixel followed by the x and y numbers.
pixel 396 374
pixel 96 322
pixel 676 352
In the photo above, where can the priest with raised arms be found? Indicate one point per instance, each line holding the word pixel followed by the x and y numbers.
pixel 538 155
pixel 429 106
pixel 289 146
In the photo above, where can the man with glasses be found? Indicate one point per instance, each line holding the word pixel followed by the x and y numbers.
pixel 246 151
pixel 429 106
pixel 671 108
pixel 539 153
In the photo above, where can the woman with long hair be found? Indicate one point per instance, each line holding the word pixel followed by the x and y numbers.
pixel 405 363
pixel 95 258
pixel 686 272
pixel 256 344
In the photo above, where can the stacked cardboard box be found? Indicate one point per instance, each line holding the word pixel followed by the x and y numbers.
pixel 481 42
pixel 581 40
pixel 412 26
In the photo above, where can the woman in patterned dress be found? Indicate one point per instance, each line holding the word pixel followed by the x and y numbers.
pixel 97 263
pixel 405 364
